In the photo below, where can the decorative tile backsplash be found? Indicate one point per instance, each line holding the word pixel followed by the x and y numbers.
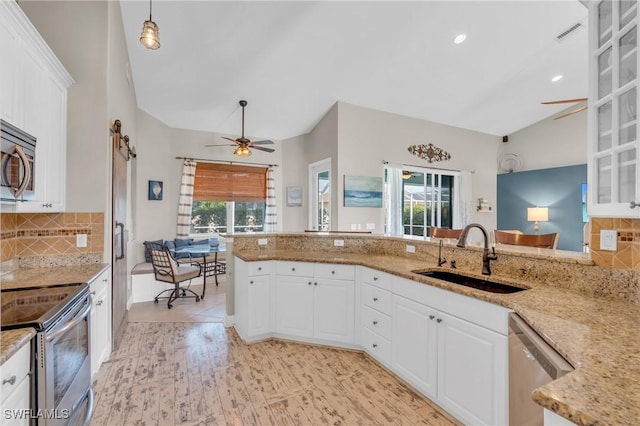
pixel 43 234
pixel 627 256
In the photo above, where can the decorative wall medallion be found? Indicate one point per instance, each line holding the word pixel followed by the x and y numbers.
pixel 429 152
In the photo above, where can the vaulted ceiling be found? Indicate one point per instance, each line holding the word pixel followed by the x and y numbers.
pixel 292 60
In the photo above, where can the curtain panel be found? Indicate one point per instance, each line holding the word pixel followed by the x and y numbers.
pixel 270 215
pixel 186 198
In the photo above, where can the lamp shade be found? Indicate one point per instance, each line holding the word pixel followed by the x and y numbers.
pixel 538 214
pixel 150 37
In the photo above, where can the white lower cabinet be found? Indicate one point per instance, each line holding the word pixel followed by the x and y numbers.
pixel 460 365
pixel 253 298
pixel 14 393
pixel 100 289
pixel 315 301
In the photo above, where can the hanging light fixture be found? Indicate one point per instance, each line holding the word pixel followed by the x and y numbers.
pixel 242 151
pixel 150 37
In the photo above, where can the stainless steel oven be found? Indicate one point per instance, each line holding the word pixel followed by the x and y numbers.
pixel 61 376
pixel 17 163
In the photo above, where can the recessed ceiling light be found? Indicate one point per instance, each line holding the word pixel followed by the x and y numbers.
pixel 556 78
pixel 459 38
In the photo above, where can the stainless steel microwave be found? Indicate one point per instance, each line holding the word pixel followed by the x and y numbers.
pixel 17 163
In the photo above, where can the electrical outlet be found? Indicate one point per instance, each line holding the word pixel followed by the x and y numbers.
pixel 371 226
pixel 608 240
pixel 81 240
pixel 262 241
pixel 354 227
pixel 338 243
pixel 411 249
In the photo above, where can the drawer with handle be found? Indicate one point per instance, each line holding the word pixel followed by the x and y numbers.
pixel 377 278
pixel 296 269
pixel 335 272
pixel 376 298
pixel 259 268
pixel 376 346
pixel 14 370
pixel 376 321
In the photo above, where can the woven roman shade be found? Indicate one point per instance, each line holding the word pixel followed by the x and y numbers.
pixel 228 182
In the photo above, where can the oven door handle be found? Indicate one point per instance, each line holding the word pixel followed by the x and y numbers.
pixel 80 317
pixel 87 417
pixel 25 166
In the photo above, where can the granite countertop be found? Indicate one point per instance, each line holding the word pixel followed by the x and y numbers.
pixel 598 336
pixel 12 340
pixel 42 277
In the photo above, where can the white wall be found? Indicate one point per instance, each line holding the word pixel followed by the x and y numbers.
pixel 550 143
pixel 367 137
pixel 77 33
pixel 294 173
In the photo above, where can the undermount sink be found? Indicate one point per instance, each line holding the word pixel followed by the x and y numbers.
pixel 477 283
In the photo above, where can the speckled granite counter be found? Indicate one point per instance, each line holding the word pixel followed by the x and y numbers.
pixel 598 335
pixel 39 277
pixel 12 340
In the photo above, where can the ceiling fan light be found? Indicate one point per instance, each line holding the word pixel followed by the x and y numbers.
pixel 242 151
pixel 150 37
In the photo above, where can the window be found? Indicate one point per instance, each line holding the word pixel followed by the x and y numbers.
pixel 427 200
pixel 228 198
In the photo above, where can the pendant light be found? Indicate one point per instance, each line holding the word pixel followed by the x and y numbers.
pixel 150 37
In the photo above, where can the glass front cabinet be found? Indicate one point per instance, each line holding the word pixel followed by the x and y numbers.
pixel 614 180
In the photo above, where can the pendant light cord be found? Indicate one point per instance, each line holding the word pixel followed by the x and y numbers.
pixel 150 11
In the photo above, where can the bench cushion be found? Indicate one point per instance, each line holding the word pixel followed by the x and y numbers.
pixel 142 268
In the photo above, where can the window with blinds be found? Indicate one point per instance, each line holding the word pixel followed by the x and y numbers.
pixel 228 198
pixel 228 182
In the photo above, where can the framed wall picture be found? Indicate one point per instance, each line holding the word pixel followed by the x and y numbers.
pixel 294 196
pixel 155 190
pixel 362 191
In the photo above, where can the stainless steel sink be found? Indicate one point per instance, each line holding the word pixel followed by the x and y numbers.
pixel 477 283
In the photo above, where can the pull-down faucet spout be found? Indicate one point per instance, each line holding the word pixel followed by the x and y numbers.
pixel 486 257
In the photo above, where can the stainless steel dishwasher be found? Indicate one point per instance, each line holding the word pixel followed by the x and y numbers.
pixel 532 363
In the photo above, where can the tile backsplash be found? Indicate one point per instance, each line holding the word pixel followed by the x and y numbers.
pixel 627 256
pixel 48 234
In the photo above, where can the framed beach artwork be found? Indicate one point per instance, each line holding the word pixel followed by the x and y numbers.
pixel 294 196
pixel 155 190
pixel 362 191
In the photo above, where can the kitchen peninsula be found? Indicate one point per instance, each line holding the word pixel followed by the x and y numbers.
pixel 587 313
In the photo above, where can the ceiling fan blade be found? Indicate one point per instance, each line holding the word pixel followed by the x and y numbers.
pixel 570 113
pixel 261 148
pixel 565 101
pixel 232 140
pixel 226 144
pixel 264 142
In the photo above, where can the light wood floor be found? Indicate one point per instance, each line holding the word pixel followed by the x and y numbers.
pixel 203 374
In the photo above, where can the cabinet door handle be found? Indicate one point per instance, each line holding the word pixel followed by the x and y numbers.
pixel 315 283
pixel 99 302
pixel 93 293
pixel 375 345
pixel 375 278
pixel 633 204
pixel 375 299
pixel 259 268
pixel 375 322
pixel 333 272
pixel 439 320
pixel 11 381
pixel 104 280
pixel 309 282
pixel 293 269
pixel 431 317
pixel 49 205
pixel 251 282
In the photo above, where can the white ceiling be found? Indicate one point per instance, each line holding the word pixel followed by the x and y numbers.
pixel 292 60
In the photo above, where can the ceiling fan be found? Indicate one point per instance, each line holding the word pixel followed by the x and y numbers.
pixel 243 144
pixel 568 101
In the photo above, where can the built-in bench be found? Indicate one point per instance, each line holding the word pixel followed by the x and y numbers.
pixel 144 286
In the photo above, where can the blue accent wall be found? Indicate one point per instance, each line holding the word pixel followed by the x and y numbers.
pixel 559 189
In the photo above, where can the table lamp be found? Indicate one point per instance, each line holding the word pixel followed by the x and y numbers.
pixel 537 214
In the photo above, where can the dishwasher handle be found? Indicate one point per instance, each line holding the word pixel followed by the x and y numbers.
pixel 552 362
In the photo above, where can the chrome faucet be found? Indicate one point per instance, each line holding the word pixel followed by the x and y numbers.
pixel 486 257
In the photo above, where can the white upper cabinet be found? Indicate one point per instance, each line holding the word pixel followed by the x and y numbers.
pixel 33 97
pixel 613 100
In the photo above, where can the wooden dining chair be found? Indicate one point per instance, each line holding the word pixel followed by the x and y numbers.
pixel 445 232
pixel 549 241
